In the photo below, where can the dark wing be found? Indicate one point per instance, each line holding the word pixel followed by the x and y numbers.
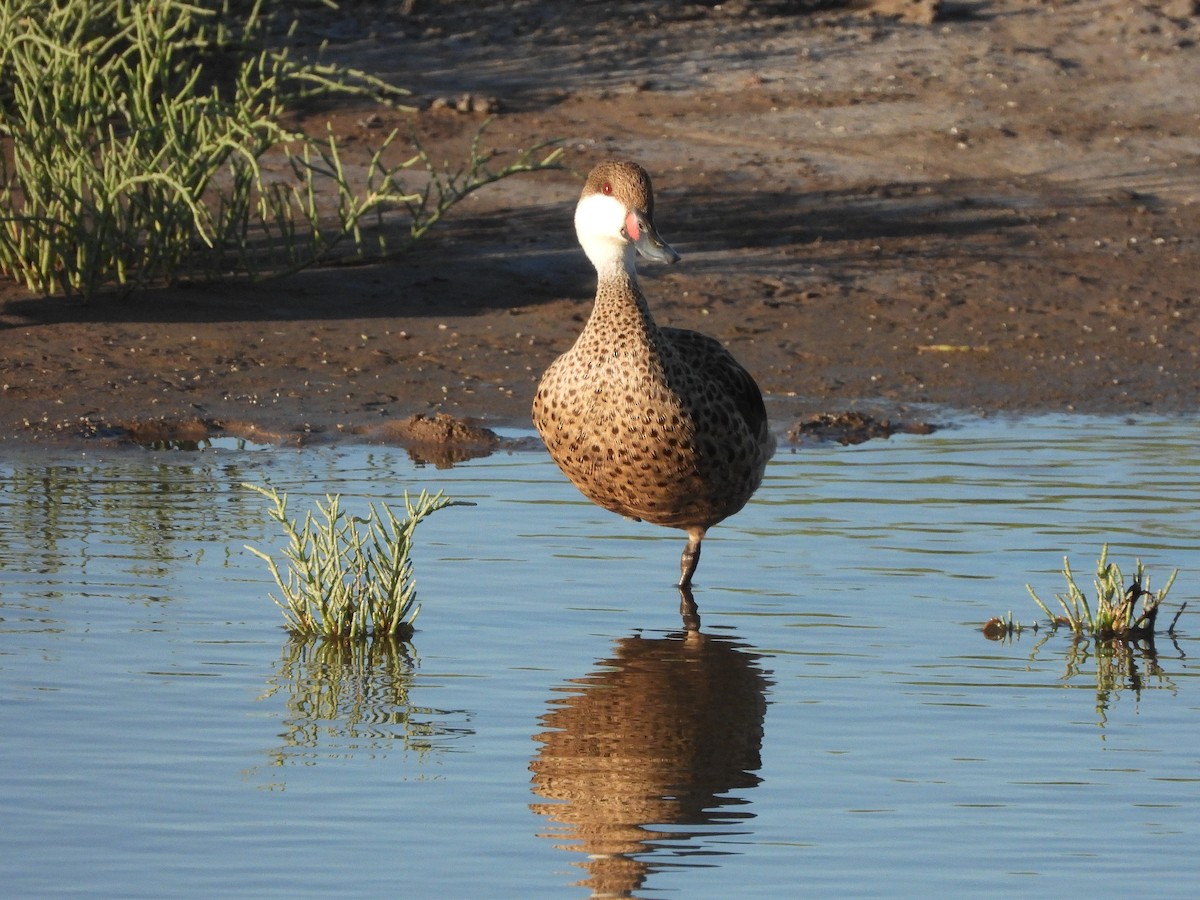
pixel 707 356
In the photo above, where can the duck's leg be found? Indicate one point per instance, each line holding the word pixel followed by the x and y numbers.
pixel 691 556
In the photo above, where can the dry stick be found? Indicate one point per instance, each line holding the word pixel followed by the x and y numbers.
pixel 1175 618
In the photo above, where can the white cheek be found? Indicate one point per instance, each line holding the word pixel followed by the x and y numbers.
pixel 599 217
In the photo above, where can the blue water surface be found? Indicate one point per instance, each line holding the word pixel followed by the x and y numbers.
pixel 840 725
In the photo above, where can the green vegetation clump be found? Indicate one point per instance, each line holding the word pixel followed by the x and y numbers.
pixel 146 143
pixel 347 576
pixel 1115 616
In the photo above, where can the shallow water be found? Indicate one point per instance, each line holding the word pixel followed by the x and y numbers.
pixel 842 726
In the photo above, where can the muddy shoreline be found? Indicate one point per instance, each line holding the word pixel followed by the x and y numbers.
pixel 994 212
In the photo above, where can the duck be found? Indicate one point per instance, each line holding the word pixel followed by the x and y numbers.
pixel 658 424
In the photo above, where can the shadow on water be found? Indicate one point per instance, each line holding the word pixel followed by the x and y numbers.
pixel 1115 666
pixel 341 698
pixel 640 756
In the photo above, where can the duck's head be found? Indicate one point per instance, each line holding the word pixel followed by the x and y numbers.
pixel 615 216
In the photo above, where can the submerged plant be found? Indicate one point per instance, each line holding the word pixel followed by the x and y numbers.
pixel 1115 615
pixel 347 576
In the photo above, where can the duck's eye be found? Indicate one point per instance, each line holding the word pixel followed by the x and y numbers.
pixel 606 188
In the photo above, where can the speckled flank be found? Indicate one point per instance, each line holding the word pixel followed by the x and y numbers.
pixel 659 424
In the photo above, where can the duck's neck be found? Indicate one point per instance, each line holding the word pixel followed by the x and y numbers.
pixel 620 307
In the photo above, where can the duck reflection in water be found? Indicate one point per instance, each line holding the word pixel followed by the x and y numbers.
pixel 641 755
